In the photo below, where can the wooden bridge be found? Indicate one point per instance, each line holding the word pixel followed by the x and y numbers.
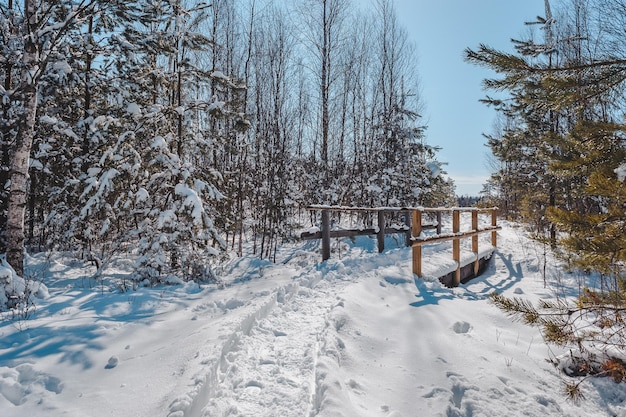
pixel 412 227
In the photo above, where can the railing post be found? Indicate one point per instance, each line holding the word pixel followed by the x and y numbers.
pixel 475 241
pixel 417 249
pixel 494 223
pixel 456 246
pixel 325 234
pixel 438 222
pixel 407 223
pixel 381 231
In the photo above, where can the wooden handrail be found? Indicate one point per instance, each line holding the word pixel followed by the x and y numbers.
pixel 413 229
pixel 456 236
pixel 320 207
pixel 427 240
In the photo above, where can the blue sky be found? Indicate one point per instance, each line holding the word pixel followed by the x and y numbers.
pixel 451 88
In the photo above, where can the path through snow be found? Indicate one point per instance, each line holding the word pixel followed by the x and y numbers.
pixel 354 336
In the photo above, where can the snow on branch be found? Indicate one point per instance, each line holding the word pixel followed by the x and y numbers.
pixel 621 172
pixel 193 201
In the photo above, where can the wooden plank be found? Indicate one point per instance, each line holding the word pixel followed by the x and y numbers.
pixel 398 229
pixel 338 233
pixel 467 272
pixel 417 249
pixel 325 235
pixel 358 209
pixel 352 233
pixel 456 246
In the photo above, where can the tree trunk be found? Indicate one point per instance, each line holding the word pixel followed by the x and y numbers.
pixel 324 84
pixel 23 145
pixel 5 140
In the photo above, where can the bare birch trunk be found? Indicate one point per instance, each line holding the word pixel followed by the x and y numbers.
pixel 23 145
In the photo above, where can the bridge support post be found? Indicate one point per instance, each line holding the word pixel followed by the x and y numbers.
pixel 407 223
pixel 438 222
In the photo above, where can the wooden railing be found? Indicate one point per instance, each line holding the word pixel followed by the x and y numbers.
pixel 456 236
pixel 412 228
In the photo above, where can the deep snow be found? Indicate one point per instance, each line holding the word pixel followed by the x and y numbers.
pixel 354 336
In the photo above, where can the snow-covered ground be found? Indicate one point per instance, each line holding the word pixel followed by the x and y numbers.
pixel 354 336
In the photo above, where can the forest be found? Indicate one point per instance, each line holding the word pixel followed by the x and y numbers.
pixel 176 131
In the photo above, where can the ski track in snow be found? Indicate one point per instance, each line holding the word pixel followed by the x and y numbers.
pixel 271 361
pixel 272 365
pixel 286 357
pixel 282 358
pixel 308 353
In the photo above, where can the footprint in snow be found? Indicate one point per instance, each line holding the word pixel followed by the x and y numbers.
pixel 113 361
pixel 460 386
pixel 435 392
pixel 461 327
pixel 355 386
pixel 254 387
pixel 385 408
pixel 17 384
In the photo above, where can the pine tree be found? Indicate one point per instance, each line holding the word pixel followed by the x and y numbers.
pixel 594 232
pixel 582 149
pixel 592 330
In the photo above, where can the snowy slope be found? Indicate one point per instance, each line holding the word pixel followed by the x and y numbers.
pixel 355 336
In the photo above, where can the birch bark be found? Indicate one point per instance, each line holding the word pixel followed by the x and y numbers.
pixel 23 143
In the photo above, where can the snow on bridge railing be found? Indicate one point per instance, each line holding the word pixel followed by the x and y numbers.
pixel 413 228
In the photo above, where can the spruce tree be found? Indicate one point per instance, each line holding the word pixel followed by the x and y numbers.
pixel 152 186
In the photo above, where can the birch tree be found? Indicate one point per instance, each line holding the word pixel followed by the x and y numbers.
pixel 322 36
pixel 9 57
pixel 42 26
